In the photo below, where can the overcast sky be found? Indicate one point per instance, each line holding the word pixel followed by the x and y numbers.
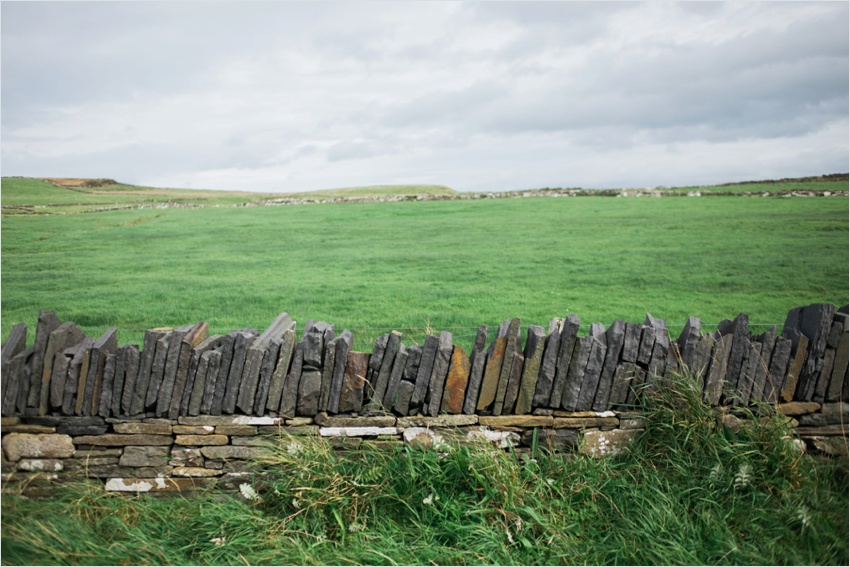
pixel 479 96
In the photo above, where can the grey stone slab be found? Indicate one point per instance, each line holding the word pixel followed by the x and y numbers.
pixel 399 365
pixel 65 335
pixel 426 368
pixel 825 375
pixel 593 370
pixel 59 375
pixel 839 368
pixel 157 368
pixel 309 391
pixel 266 372
pixel 354 381
pixel 234 375
pixel 213 370
pixel 217 385
pixel 15 344
pixel 105 401
pixel 254 362
pixel 689 340
pixel 47 323
pixel 476 371
pixel 718 369
pixel 313 342
pixel 777 369
pixel 439 373
pixel 535 341
pixel 647 341
pixel 831 355
pixel 411 369
pixel 72 384
pixel 287 350
pixel 508 407
pixel 201 371
pixel 17 379
pixel 569 339
pixel 839 327
pixel 343 347
pixel 767 340
pixel 385 370
pixel 118 380
pixel 289 392
pixel 106 344
pixel 512 348
pixel 636 385
pixel 748 373
pixel 196 335
pixel 575 377
pixel 623 374
pixel 658 360
pixel 172 363
pixel 737 355
pixel 546 374
pixel 402 401
pixel 614 339
pixel 24 378
pixel 132 363
pixel 375 361
pixel 799 345
pixel 327 375
pixel 815 322
pixel 140 390
pixel 631 342
pixel 196 381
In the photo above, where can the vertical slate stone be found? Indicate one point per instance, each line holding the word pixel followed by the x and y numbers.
pixel 631 342
pixel 689 341
pixel 72 383
pixel 327 375
pixel 65 335
pixel 748 373
pixel 25 360
pixel 492 372
pixel 614 339
pixel 426 367
pixel 234 375
pixel 118 380
pixel 512 347
pixel 291 383
pixel 287 350
pixel 172 363
pixel 375 362
pixel 197 334
pixel 622 384
pixel 593 370
pixel 214 399
pixel 157 368
pixel 14 345
pixel 382 379
pixel 309 391
pixel 439 372
pixel 354 381
pixel 658 359
pixel 266 370
pixel 201 372
pixel 636 385
pixel 343 347
pixel 546 375
pixel 740 347
pixel 411 370
pixel 132 362
pixel 767 340
pixel 476 371
pixel 254 361
pixel 105 401
pixel 575 376
pixel 799 344
pixel 567 346
pixel 140 390
pixel 61 369
pixel 721 350
pixel 14 395
pixel 47 323
pixel 777 369
pixel 839 366
pixel 196 381
pixel 402 401
pixel 456 382
pixel 395 377
pixel 535 341
pixel 647 341
pixel 513 385
pixel 106 344
pixel 815 322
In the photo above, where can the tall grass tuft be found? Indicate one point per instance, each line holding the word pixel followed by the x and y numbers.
pixel 687 491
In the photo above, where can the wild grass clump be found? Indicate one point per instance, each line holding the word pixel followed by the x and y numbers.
pixel 688 491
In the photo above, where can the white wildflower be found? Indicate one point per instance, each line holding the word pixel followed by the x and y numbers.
pixel 804 516
pixel 550 481
pixel 296 503
pixel 510 537
pixel 430 499
pixel 744 476
pixel 294 448
pixel 355 527
pixel 248 492
pixel 217 541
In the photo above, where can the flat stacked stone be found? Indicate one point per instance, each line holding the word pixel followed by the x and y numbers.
pixel 254 360
pixel 439 373
pixel 566 347
pixel 476 371
pixel 614 338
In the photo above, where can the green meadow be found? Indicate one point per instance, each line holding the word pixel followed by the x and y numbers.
pixel 439 265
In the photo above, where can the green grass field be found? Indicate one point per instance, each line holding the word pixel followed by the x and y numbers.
pixel 450 265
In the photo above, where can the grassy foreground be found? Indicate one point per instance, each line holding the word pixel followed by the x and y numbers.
pixel 449 265
pixel 686 492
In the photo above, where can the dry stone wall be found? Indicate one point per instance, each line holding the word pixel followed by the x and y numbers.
pixel 192 409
